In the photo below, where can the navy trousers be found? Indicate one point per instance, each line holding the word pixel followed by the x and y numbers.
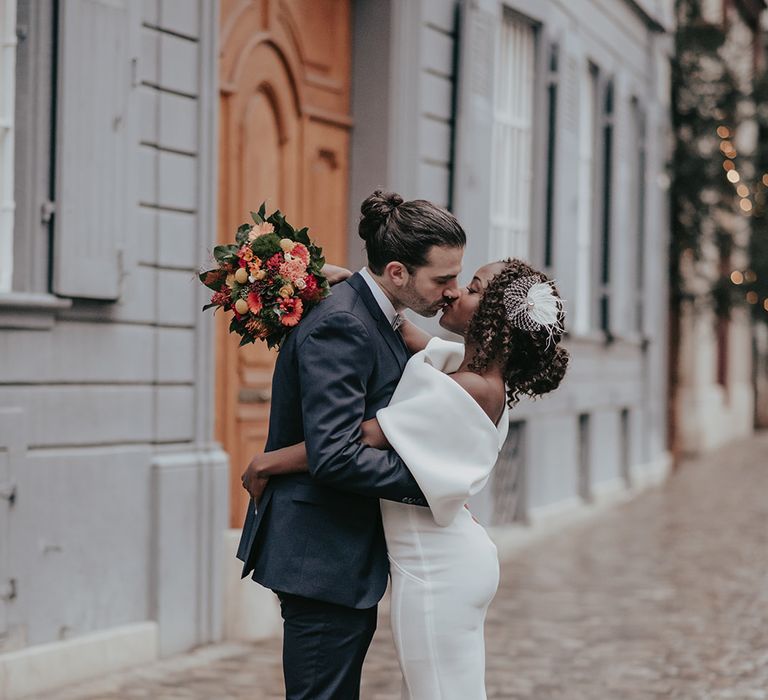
pixel 324 646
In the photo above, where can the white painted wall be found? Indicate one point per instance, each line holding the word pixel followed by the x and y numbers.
pixel 122 493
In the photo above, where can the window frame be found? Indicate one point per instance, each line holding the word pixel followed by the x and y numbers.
pixel 28 302
pixel 8 44
pixel 503 243
pixel 588 168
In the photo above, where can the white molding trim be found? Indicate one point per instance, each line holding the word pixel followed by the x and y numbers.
pixel 8 44
pixel 251 612
pixel 42 667
pixel 30 310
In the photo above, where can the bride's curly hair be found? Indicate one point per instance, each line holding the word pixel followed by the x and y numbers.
pixel 532 362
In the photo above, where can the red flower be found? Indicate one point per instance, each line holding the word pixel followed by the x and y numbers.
pixel 273 264
pixel 220 298
pixel 254 303
pixel 292 309
pixel 300 251
pixel 311 291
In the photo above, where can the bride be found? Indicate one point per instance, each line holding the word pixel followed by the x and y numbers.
pixel 448 420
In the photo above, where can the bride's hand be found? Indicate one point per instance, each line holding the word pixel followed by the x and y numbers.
pixel 335 274
pixel 254 482
pixel 372 435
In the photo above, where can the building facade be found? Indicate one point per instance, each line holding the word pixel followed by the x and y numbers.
pixel 114 494
pixel 545 127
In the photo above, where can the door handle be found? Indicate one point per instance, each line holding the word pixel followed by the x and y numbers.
pixel 8 492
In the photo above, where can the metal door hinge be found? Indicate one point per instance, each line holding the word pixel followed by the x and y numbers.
pixel 47 210
pixel 8 591
pixel 8 491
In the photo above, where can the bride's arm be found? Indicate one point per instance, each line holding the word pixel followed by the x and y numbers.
pixel 415 338
pixel 293 460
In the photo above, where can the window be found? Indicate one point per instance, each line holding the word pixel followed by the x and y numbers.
pixel 7 94
pixel 625 447
pixel 549 203
pixel 606 204
pixel 587 146
pixel 509 479
pixel 584 459
pixel 512 153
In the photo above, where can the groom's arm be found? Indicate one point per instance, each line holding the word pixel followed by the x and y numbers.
pixel 335 362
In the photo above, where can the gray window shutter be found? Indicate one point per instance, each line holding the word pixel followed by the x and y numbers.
pixel 96 143
pixel 478 28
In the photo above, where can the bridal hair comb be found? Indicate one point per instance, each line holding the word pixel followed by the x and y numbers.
pixel 532 304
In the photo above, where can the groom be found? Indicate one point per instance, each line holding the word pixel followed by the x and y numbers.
pixel 317 538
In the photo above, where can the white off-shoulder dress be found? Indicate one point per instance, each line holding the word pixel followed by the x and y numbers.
pixel 444 567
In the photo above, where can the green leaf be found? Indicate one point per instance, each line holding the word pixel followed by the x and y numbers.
pixel 263 211
pixel 256 218
pixel 302 236
pixel 213 278
pixel 209 306
pixel 242 233
pixel 225 253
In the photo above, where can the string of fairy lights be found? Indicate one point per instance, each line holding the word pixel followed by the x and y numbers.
pixel 746 205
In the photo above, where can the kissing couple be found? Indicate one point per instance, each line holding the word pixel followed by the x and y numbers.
pixel 378 435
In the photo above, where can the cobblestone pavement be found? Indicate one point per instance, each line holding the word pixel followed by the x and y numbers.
pixel 665 596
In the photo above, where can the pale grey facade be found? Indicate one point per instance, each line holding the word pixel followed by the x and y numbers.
pixel 427 110
pixel 114 493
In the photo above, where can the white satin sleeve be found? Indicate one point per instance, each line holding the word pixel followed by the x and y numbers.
pixel 446 440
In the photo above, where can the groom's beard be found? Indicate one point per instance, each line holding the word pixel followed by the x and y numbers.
pixel 411 299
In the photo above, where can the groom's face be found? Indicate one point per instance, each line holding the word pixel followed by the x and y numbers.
pixel 433 286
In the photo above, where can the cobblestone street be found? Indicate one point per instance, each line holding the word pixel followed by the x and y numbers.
pixel 665 596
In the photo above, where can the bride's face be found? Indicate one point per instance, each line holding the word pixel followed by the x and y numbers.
pixel 459 313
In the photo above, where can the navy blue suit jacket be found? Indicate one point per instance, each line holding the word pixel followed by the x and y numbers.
pixel 319 534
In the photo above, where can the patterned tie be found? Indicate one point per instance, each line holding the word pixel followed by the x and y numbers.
pixel 397 321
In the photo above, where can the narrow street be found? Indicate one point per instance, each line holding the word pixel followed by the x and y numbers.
pixel 665 596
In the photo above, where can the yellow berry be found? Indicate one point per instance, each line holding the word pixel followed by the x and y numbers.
pixel 287 245
pixel 241 275
pixel 241 306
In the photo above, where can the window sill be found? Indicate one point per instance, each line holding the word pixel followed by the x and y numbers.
pixel 29 310
pixel 602 339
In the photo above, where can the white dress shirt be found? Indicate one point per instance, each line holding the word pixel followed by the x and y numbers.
pixel 381 298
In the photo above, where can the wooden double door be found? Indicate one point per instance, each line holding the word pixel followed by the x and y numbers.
pixel 284 138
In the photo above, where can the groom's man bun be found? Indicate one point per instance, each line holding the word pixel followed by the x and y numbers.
pixel 396 230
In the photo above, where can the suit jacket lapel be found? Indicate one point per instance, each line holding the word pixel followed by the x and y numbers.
pixel 390 336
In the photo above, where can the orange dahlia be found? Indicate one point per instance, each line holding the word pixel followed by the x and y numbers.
pixel 254 303
pixel 292 310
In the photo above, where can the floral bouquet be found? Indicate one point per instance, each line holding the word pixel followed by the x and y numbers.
pixel 269 278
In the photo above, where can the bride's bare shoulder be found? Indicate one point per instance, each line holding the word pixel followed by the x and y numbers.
pixel 486 392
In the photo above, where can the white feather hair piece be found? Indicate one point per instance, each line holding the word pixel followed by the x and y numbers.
pixel 532 304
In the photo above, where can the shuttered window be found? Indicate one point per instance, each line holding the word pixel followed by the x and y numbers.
pixel 512 153
pixel 606 227
pixel 96 142
pixel 549 201
pixel 7 92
